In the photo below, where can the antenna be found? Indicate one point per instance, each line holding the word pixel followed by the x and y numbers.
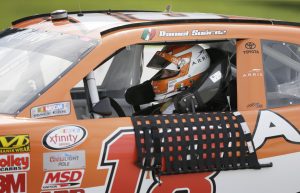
pixel 80 11
pixel 168 9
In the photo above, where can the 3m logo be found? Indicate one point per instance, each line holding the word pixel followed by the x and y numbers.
pixel 63 179
pixel 14 143
pixel 13 183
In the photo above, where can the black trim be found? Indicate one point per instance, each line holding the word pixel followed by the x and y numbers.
pixel 180 21
pixel 45 15
pixel 74 12
pixel 185 42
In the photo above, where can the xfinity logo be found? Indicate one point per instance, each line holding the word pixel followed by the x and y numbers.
pixel 64 137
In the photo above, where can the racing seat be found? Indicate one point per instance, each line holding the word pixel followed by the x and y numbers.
pixel 139 95
pixel 210 92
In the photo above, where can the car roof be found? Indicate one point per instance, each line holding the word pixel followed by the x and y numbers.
pixel 94 23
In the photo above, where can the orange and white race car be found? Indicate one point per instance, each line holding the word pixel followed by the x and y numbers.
pixel 139 101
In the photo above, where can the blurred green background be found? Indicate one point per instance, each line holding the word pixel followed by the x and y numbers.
pixel 288 10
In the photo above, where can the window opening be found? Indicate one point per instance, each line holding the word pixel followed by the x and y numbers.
pixel 126 81
pixel 282 73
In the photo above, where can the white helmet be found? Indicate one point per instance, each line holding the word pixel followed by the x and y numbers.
pixel 179 67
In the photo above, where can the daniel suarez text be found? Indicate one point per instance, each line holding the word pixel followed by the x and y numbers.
pixel 192 33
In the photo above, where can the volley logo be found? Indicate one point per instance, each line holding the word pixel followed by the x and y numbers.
pixel 148 34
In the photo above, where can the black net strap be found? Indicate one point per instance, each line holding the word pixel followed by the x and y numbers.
pixel 198 142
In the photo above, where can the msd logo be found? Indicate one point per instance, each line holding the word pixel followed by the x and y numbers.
pixel 63 179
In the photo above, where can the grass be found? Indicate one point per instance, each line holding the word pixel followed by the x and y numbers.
pixel 284 10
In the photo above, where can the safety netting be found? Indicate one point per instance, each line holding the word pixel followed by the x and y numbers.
pixel 198 142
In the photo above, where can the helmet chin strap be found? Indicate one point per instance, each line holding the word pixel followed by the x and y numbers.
pixel 162 97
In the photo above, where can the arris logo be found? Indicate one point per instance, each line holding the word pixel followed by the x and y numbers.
pixel 64 137
pixel 250 45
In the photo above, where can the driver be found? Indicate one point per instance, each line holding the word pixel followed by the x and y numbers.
pixel 179 67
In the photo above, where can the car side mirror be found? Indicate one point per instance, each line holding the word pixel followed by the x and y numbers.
pixel 103 107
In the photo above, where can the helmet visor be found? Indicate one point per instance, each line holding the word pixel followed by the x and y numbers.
pixel 158 62
pixel 164 74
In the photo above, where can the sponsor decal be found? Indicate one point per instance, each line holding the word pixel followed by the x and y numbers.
pixel 14 143
pixel 13 182
pixel 65 191
pixel 192 33
pixel 50 110
pixel 250 48
pixel 141 180
pixel 200 58
pixel 272 125
pixel 250 45
pixel 216 77
pixel 63 179
pixel 253 73
pixel 64 137
pixel 14 162
pixel 64 160
pixel 254 105
pixel 148 34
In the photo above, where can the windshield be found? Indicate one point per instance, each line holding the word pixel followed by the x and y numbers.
pixel 31 60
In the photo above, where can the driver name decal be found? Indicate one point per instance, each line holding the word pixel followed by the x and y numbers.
pixel 149 34
pixel 192 33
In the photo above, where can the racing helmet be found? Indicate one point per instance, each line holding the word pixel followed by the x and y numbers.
pixel 179 67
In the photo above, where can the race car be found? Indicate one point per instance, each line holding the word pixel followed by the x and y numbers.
pixel 102 101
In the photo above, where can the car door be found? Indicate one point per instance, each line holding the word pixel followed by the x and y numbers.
pixel 122 149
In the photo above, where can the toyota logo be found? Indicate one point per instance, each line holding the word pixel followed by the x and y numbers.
pixel 250 45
